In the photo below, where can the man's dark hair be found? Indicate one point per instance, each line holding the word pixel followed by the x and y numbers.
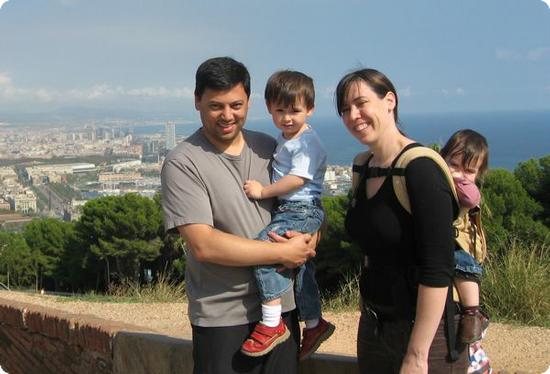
pixel 220 74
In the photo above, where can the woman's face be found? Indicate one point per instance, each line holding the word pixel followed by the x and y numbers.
pixel 365 115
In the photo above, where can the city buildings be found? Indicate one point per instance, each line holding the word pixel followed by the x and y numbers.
pixel 170 130
pixel 43 180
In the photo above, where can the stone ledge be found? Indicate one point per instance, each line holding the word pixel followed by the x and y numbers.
pixel 143 353
pixel 133 349
pixel 86 331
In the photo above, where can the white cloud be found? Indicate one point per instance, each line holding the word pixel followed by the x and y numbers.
pixel 2 2
pixel 507 54
pixel 328 92
pixel 536 54
pixel 102 91
pixel 547 2
pixel 5 80
pixel 405 91
pixel 459 91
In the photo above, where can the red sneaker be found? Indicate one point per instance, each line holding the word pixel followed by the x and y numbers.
pixel 312 338
pixel 263 339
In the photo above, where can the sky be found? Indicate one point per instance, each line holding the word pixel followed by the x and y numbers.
pixel 137 58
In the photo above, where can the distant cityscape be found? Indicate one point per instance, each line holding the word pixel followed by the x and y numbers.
pixel 53 172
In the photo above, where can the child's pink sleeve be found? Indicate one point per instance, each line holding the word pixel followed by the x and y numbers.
pixel 468 193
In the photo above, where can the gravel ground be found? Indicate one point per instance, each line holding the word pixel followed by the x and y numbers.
pixel 511 348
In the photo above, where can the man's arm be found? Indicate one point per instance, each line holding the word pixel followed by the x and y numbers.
pixel 211 245
pixel 283 186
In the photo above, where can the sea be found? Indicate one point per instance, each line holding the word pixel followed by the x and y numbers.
pixel 513 136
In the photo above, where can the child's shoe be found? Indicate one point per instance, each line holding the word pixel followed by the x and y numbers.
pixel 473 324
pixel 312 338
pixel 264 338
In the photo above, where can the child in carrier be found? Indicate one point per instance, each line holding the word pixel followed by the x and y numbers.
pixel 467 154
pixel 299 164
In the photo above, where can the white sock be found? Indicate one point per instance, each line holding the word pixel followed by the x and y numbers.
pixel 311 323
pixel 271 315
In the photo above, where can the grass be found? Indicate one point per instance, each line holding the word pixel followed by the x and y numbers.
pixel 163 290
pixel 346 298
pixel 516 287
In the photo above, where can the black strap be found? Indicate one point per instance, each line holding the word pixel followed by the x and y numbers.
pixel 375 172
pixel 450 330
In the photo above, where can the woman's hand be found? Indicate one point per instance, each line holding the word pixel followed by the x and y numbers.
pixel 300 247
pixel 414 364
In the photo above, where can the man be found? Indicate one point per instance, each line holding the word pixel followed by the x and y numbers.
pixel 203 197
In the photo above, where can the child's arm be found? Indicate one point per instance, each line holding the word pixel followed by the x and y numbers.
pixel 286 184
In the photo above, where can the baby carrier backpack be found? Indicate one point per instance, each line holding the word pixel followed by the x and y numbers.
pixel 468 231
pixel 469 234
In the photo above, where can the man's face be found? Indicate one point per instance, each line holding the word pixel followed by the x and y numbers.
pixel 223 114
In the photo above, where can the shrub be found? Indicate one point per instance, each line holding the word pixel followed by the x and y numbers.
pixel 515 285
pixel 346 297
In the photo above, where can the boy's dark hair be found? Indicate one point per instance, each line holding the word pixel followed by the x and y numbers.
pixel 221 73
pixel 286 87
pixel 376 80
pixel 472 145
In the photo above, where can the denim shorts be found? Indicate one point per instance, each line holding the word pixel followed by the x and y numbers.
pixel 467 265
pixel 301 216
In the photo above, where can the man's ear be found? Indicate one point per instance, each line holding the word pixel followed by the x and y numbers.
pixel 197 102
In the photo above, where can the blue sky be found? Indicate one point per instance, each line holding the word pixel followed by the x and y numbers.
pixel 136 57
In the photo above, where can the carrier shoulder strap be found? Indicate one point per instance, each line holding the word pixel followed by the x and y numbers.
pixel 470 235
pixel 400 189
pixel 358 169
pixel 399 182
pixel 398 172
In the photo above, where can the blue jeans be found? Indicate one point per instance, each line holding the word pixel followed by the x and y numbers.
pixel 301 216
pixel 467 265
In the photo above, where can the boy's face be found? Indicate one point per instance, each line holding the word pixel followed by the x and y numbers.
pixel 291 120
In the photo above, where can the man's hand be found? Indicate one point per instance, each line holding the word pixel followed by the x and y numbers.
pixel 253 189
pixel 301 247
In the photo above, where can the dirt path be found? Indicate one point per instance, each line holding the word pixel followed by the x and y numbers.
pixel 511 348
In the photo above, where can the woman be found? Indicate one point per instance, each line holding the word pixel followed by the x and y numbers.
pixel 408 257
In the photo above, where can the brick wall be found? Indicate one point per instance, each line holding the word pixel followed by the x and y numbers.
pixel 39 340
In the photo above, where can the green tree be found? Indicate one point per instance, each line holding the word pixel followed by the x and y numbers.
pixel 15 260
pixel 47 240
pixel 510 211
pixel 336 255
pixel 534 176
pixel 122 232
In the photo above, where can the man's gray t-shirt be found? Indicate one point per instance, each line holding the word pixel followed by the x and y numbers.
pixel 201 185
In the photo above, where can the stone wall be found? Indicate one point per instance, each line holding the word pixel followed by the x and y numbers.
pixel 44 340
pixel 39 340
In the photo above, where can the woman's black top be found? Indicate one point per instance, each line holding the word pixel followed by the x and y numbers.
pixel 404 249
